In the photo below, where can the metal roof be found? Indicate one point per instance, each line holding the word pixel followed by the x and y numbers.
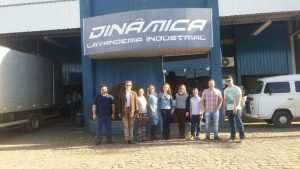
pixel 246 7
pixel 245 11
pixel 44 15
pixel 260 17
pixel 39 16
pixel 22 2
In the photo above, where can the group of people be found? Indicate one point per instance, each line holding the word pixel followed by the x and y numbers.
pixel 154 107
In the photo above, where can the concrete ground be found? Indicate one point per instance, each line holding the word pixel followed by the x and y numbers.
pixel 60 146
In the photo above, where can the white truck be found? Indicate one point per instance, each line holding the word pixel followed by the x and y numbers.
pixel 29 89
pixel 275 100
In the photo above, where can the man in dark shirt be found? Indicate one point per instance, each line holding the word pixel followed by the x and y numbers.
pixel 103 111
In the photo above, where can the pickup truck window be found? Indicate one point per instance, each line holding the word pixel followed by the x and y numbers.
pixel 277 87
pixel 257 88
pixel 297 85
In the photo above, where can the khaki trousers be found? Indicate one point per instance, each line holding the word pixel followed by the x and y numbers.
pixel 128 125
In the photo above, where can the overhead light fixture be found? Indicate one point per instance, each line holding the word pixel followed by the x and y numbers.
pixel 261 28
pixel 54 42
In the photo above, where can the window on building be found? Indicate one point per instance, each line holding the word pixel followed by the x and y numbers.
pixel 297 85
pixel 277 87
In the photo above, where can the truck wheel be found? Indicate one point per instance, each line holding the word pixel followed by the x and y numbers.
pixel 33 123
pixel 282 118
pixel 269 121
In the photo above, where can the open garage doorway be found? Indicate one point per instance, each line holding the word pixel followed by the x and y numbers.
pixel 63 48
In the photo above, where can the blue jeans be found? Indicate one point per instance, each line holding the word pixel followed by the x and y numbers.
pixel 106 120
pixel 235 121
pixel 195 122
pixel 215 117
pixel 166 118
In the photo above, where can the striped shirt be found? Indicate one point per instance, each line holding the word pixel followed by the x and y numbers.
pixel 211 98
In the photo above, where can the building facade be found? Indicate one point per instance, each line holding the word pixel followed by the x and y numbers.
pixel 152 42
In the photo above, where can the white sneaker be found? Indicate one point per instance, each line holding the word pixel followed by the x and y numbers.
pixel 191 138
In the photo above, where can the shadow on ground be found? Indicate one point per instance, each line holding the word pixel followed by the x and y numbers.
pixel 60 135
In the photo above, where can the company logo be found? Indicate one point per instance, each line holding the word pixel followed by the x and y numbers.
pixel 140 26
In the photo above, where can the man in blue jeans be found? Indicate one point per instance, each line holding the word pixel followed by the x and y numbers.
pixel 211 103
pixel 103 111
pixel 232 108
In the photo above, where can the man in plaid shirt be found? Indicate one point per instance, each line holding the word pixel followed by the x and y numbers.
pixel 211 102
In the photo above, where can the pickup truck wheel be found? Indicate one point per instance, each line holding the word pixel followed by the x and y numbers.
pixel 282 118
pixel 269 121
pixel 33 123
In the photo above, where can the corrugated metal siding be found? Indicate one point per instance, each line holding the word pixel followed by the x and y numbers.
pixel 244 7
pixel 40 17
pixel 72 74
pixel 267 53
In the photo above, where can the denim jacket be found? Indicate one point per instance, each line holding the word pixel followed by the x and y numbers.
pixel 165 101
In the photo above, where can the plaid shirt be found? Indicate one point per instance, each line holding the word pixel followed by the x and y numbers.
pixel 211 98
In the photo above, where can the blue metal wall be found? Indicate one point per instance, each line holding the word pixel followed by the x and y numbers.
pixel 69 58
pixel 265 54
pixel 72 74
pixel 143 71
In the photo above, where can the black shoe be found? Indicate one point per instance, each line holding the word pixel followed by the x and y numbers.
pixel 216 138
pixel 231 139
pixel 207 138
pixel 98 142
pixel 182 137
pixel 130 142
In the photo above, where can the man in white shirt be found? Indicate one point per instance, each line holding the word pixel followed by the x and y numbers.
pixel 232 108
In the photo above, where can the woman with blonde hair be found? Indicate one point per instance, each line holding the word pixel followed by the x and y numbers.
pixel 180 109
pixel 165 105
pixel 153 111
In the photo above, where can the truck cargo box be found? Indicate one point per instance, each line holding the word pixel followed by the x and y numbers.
pixel 27 82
